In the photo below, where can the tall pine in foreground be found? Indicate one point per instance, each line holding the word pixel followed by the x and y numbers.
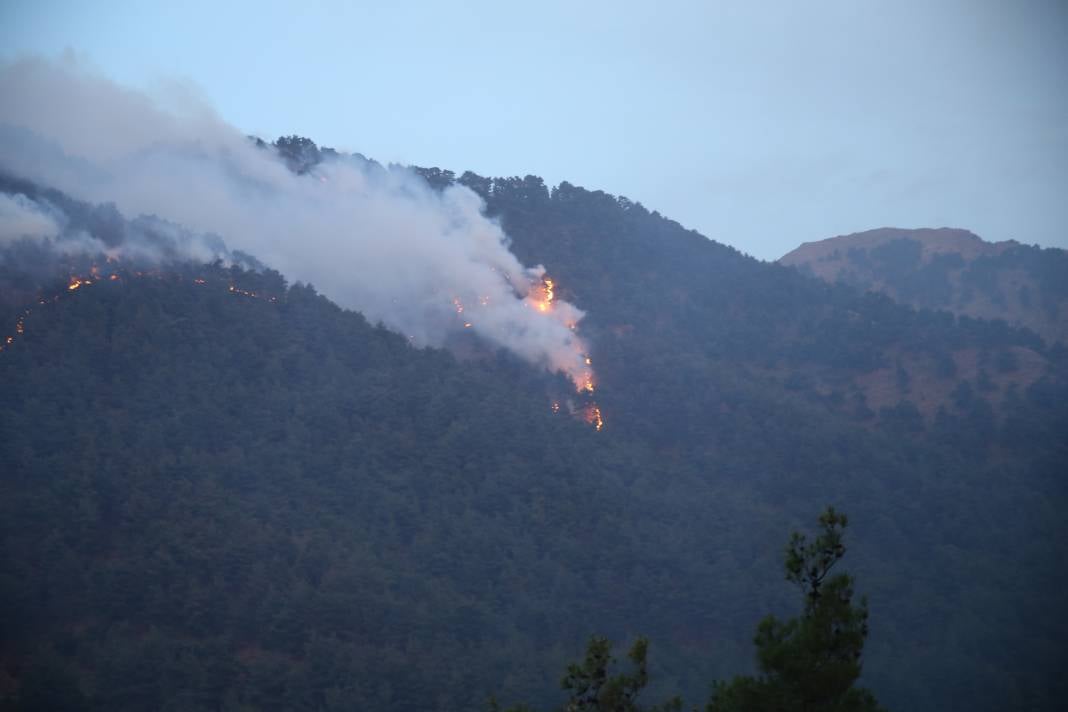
pixel 808 663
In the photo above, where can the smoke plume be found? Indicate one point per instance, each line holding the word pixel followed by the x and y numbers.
pixel 22 217
pixel 423 262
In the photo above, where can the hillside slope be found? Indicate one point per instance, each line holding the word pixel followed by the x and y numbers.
pixel 949 269
pixel 212 500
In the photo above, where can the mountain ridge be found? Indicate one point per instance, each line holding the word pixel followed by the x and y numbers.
pixel 949 269
pixel 244 503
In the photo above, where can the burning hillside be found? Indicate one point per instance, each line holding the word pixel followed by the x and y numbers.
pixel 113 271
pixel 377 240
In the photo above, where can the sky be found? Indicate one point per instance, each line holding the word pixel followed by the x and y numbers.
pixel 761 125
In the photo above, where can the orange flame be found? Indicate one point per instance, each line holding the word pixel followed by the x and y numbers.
pixel 541 298
pixel 592 415
pixel 77 282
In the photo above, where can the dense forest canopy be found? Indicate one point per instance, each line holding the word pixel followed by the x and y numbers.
pixel 219 490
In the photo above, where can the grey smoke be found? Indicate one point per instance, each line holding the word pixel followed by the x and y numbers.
pixel 378 241
pixel 65 226
pixel 23 218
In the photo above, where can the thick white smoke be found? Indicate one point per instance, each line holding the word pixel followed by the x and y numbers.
pixel 378 241
pixel 21 217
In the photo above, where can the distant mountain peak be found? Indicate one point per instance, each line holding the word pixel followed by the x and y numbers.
pixel 951 269
pixel 939 240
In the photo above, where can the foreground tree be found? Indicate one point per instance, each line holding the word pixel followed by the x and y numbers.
pixel 808 663
pixel 591 689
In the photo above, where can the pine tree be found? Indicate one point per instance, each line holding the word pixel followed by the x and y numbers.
pixel 808 663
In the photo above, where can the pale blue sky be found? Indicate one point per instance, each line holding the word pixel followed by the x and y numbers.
pixel 761 124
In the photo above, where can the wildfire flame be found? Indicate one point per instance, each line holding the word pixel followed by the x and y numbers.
pixel 76 282
pixel 542 296
pixel 592 415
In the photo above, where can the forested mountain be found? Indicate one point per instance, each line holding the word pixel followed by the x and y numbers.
pixel 949 269
pixel 221 491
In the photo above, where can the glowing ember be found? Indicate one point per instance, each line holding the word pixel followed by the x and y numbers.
pixel 243 292
pixel 592 415
pixel 541 298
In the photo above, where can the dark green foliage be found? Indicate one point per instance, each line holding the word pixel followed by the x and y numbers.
pixel 898 264
pixel 1006 361
pixel 218 502
pixel 1019 283
pixel 808 663
pixel 591 688
pixel 300 153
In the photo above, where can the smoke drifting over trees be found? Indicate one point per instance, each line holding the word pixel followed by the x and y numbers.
pixel 375 240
